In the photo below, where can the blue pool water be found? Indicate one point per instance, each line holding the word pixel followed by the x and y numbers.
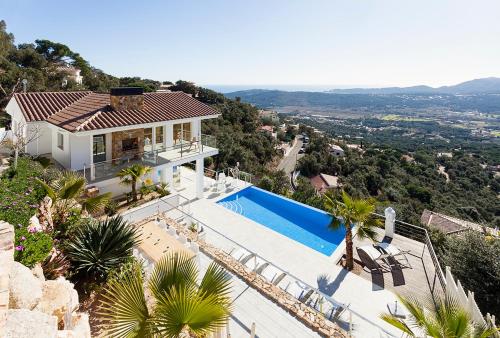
pixel 297 221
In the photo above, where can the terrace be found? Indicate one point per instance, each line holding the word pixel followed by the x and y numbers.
pixel 182 152
pixel 364 295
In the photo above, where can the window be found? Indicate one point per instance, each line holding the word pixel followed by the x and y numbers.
pixel 60 141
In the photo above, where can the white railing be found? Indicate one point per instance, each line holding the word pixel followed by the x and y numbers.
pixel 467 301
pixel 179 206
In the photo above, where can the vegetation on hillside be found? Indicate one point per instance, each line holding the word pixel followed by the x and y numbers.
pixel 413 183
pixel 42 64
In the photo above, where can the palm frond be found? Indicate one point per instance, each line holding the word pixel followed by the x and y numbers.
pixel 180 310
pixel 336 223
pixel 48 189
pixel 174 269
pixel 124 307
pixel 366 231
pixel 72 188
pixel 216 281
pixel 94 204
pixel 397 323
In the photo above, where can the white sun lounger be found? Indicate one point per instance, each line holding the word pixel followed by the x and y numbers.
pixel 240 254
pixel 272 274
pixel 255 263
pixel 298 290
pixel 395 253
pixel 375 257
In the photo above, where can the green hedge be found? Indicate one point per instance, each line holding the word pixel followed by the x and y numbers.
pixel 19 198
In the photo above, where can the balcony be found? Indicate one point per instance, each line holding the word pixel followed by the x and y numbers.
pixel 183 152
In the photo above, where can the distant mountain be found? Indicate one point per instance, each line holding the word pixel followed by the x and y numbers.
pixel 485 98
pixel 489 85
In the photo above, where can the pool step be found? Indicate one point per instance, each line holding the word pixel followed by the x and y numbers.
pixel 234 206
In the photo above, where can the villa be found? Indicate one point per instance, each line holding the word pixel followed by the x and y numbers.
pixel 99 134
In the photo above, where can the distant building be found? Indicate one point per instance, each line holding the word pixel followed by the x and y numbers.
pixel 72 73
pixel 268 130
pixel 451 225
pixel 269 114
pixel 323 182
pixel 336 150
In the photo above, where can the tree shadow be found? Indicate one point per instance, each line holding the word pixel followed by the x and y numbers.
pixel 329 288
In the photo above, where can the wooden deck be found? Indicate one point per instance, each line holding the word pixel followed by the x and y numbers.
pixel 417 279
pixel 156 243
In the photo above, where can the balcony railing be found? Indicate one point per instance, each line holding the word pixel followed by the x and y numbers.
pixel 161 155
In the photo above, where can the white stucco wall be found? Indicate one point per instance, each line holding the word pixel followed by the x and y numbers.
pixel 43 144
pixel 62 156
pixel 80 150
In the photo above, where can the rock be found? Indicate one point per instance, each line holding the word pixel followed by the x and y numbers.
pixel 37 271
pixel 58 297
pixel 45 213
pixel 34 225
pixel 81 326
pixel 25 289
pixel 22 323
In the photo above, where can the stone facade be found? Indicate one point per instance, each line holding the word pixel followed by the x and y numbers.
pixel 117 143
pixel 127 102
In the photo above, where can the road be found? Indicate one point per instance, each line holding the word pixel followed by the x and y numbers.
pixel 288 162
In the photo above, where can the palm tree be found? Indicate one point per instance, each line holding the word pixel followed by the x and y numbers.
pixel 441 318
pixel 177 306
pixel 133 174
pixel 96 247
pixel 67 192
pixel 352 213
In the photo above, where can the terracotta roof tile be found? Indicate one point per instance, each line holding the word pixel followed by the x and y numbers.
pixel 83 111
pixel 38 106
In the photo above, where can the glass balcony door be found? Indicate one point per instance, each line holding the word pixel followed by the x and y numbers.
pixel 182 133
pixel 99 148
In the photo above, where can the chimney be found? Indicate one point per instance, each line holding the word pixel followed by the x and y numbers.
pixel 127 98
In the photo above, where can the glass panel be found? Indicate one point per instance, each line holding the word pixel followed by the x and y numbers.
pixel 177 133
pixel 186 131
pixel 159 135
pixel 148 139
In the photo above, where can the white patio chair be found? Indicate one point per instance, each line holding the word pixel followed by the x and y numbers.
pixel 272 274
pixel 255 263
pixel 299 290
pixel 171 231
pixel 182 239
pixel 240 254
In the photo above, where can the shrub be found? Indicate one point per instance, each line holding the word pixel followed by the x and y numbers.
pixel 19 199
pixel 473 259
pixel 97 247
pixel 31 248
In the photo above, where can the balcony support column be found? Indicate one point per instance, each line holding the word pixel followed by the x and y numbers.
pixel 167 176
pixel 199 178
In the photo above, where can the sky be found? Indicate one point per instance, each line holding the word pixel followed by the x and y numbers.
pixel 329 43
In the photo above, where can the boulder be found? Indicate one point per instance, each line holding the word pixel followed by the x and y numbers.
pixel 37 271
pixel 24 288
pixel 22 323
pixel 81 325
pixel 34 225
pixel 59 296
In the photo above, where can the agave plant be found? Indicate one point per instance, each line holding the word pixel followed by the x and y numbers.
pixel 351 212
pixel 133 174
pixel 179 306
pixel 440 318
pixel 67 193
pixel 98 246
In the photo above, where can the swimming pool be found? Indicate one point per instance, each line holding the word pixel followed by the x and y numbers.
pixel 297 221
